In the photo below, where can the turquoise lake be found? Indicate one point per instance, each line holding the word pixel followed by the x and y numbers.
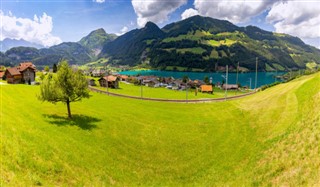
pixel 244 78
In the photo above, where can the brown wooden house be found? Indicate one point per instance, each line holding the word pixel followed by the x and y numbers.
pixel 24 73
pixel 111 81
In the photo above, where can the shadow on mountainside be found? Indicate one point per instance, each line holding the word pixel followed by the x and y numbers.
pixel 82 121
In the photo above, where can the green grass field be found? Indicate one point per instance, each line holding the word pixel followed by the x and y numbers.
pixel 164 93
pixel 271 138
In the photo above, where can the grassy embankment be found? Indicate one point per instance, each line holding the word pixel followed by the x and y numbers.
pixel 269 138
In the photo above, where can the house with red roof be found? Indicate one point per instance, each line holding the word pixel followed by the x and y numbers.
pixel 24 73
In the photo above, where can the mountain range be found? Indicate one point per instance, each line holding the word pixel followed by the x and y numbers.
pixel 8 43
pixel 197 42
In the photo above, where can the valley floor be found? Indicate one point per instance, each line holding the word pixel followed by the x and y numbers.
pixel 269 138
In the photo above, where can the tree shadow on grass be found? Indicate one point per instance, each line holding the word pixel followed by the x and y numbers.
pixel 82 121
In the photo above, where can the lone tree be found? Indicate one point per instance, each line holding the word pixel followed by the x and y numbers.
pixel 66 86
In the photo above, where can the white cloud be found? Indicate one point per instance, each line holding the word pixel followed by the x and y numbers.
pixel 99 1
pixel 123 31
pixel 189 13
pixel 236 11
pixel 296 18
pixel 37 30
pixel 155 10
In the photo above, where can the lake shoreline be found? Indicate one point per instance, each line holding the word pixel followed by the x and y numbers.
pixel 263 78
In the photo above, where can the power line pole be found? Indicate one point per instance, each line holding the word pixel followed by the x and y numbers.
pixel 226 87
pixel 186 93
pixel 255 86
pixel 141 88
pixel 237 82
pixel 108 84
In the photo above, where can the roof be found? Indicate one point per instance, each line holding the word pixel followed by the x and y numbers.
pixel 21 69
pixel 1 74
pixel 109 78
pixel 123 76
pixel 25 65
pixel 230 86
pixel 14 71
pixel 206 88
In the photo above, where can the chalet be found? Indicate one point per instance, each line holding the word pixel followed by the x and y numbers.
pixel 92 82
pixel 13 75
pixel 230 86
pixel 111 81
pixel 206 88
pixel 24 73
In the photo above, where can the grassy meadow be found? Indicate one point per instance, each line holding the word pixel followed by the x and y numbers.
pixel 164 93
pixel 269 138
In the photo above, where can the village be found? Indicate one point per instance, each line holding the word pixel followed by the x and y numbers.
pixel 27 73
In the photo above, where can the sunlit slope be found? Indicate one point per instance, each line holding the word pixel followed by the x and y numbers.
pixel 271 137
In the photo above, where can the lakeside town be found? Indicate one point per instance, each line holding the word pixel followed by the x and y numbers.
pixel 27 73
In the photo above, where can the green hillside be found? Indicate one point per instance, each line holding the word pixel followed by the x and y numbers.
pixel 84 51
pixel 218 43
pixel 95 41
pixel 195 43
pixel 269 138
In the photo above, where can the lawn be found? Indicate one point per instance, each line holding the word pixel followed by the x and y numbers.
pixel 164 93
pixel 215 43
pixel 269 138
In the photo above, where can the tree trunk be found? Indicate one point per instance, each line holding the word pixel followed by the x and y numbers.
pixel 68 106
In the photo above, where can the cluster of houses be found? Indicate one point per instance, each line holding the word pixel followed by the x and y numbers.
pixel 23 73
pixel 112 81
pixel 26 72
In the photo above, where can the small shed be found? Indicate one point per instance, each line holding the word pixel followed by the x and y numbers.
pixel 230 86
pixel 92 82
pixel 206 88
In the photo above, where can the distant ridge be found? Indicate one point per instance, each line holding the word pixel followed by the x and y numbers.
pixel 210 44
pixel 8 43
pixel 201 43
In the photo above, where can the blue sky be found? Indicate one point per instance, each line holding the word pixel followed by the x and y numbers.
pixel 61 20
